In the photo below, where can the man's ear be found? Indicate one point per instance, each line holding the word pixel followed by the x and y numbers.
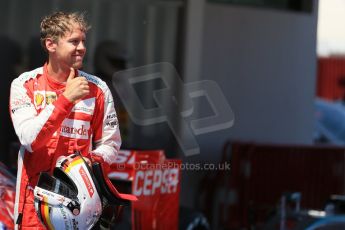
pixel 50 45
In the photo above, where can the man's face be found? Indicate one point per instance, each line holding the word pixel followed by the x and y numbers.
pixel 70 49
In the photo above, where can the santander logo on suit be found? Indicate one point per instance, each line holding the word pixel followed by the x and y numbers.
pixel 75 129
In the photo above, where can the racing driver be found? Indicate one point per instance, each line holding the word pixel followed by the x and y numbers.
pixel 57 109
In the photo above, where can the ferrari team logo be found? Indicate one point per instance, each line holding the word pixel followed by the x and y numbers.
pixel 50 97
pixel 43 98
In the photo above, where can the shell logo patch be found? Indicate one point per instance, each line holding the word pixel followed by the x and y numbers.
pixel 39 98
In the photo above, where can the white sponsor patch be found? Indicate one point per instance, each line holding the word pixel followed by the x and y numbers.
pixel 85 106
pixel 19 101
pixel 75 129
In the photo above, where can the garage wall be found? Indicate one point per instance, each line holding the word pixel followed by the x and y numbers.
pixel 265 63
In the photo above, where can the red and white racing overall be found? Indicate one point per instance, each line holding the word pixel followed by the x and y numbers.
pixel 48 126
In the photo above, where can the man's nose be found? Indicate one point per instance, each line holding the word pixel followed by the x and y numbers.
pixel 81 46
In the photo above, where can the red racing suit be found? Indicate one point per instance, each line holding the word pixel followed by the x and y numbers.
pixel 48 126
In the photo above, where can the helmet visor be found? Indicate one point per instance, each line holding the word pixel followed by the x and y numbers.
pixel 59 186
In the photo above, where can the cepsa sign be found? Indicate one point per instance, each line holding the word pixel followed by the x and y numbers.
pixel 155 180
pixel 158 181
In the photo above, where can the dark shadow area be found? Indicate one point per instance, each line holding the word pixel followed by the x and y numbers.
pixel 9 60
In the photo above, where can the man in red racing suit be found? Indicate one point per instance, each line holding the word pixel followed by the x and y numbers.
pixel 57 110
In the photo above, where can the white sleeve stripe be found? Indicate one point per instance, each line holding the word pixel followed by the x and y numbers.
pixel 110 142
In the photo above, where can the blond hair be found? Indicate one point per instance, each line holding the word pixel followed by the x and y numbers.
pixel 55 25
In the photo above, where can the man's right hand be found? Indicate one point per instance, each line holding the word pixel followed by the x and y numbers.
pixel 76 87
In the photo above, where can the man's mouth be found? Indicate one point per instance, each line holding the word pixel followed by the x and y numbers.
pixel 78 57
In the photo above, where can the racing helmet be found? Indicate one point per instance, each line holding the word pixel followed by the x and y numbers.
pixel 68 199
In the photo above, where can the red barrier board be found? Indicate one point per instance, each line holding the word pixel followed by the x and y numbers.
pixel 156 182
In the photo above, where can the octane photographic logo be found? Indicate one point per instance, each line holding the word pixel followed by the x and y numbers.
pixel 175 104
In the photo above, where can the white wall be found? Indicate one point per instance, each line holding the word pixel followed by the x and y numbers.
pixel 265 63
pixel 330 29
